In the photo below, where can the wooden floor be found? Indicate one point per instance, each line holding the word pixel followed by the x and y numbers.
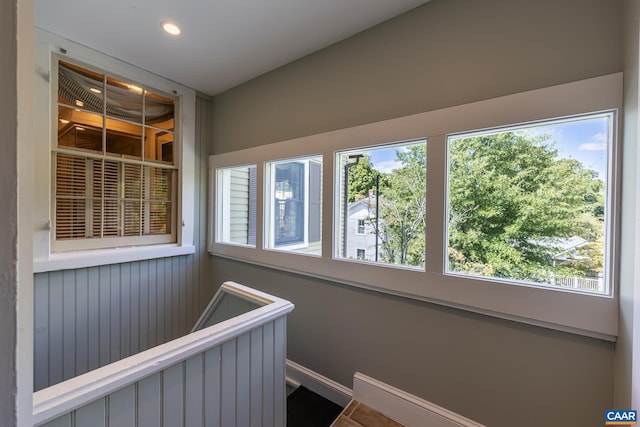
pixel 357 414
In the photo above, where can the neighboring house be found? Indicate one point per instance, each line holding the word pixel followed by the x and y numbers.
pixel 361 230
pixel 568 250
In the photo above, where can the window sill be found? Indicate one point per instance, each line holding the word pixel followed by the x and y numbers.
pixel 94 258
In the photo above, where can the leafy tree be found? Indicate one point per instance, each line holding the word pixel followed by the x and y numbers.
pixel 403 209
pixel 511 199
pixel 362 178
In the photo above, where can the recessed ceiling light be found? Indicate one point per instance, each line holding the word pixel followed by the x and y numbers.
pixel 95 90
pixel 64 121
pixel 170 28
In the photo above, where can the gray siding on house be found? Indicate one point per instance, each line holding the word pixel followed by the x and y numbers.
pixel 90 317
pixel 444 53
pixel 239 206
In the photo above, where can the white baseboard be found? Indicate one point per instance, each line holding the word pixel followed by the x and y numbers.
pixel 299 375
pixel 403 407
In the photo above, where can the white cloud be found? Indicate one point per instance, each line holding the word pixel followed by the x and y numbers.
pixel 598 142
pixel 387 166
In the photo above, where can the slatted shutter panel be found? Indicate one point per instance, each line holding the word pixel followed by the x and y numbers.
pixel 97 199
pixel 131 203
pixel 160 200
pixel 70 196
pixel 111 194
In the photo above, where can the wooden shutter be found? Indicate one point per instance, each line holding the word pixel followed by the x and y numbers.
pixel 70 196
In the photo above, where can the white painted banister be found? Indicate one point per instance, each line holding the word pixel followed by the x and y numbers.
pixel 256 339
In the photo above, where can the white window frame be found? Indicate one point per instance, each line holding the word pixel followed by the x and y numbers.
pixel 45 259
pixel 270 243
pixel 580 313
pixel 223 204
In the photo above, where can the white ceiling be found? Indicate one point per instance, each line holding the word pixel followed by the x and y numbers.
pixel 223 42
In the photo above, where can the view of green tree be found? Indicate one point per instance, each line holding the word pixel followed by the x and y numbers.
pixel 512 200
pixel 403 209
pixel 362 178
pixel 402 204
pixel 517 208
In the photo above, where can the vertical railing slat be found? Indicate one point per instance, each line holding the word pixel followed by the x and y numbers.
pixel 122 407
pixel 93 414
pixel 172 396
pixel 149 401
pixel 193 393
pixel 267 376
pixel 228 375
pixel 243 376
pixel 212 387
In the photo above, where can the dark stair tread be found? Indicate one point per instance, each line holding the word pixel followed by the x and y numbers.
pixel 306 408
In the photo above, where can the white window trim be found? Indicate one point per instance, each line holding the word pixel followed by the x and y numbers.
pixel 48 44
pixel 580 313
pixel 294 246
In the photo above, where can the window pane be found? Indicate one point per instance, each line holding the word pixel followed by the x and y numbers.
pixel 383 204
pixel 80 87
pixel 160 199
pixel 79 129
pixel 294 205
pixel 530 203
pixel 158 111
pixel 158 145
pixel 124 139
pixel 124 100
pixel 236 207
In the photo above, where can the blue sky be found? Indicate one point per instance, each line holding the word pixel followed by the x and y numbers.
pixel 583 139
pixel 384 159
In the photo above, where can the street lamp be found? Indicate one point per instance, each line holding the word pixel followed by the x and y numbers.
pixel 345 218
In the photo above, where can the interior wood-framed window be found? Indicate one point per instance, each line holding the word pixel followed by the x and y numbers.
pixel 114 160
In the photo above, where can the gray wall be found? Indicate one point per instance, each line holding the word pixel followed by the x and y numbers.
pixel 444 53
pixel 90 317
pixel 8 212
pixel 630 282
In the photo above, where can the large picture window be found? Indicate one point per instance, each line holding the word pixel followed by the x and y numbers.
pixel 114 164
pixel 530 203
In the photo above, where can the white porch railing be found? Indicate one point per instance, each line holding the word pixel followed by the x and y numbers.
pixel 596 285
pixel 232 373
